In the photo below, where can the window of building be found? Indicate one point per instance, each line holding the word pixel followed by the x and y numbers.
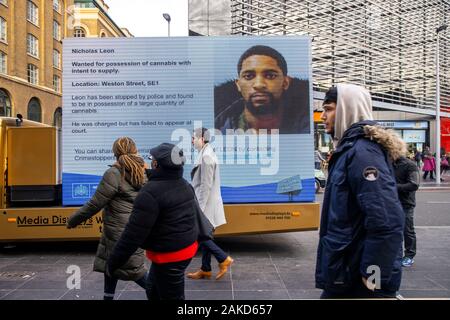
pixel 3 35
pixel 32 45
pixel 34 110
pixel 56 30
pixel 85 4
pixel 2 62
pixel 56 58
pixel 32 13
pixel 57 117
pixel 56 83
pixel 5 104
pixel 56 5
pixel 103 34
pixel 79 33
pixel 32 74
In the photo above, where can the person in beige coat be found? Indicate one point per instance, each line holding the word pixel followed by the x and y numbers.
pixel 115 194
pixel 206 182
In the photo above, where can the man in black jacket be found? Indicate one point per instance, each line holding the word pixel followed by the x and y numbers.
pixel 407 176
pixel 163 222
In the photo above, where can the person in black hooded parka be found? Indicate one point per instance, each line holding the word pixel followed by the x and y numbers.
pixel 163 222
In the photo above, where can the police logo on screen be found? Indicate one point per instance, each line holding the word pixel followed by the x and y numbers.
pixel 370 173
pixel 80 190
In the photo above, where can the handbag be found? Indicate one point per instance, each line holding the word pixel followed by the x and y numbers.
pixel 204 226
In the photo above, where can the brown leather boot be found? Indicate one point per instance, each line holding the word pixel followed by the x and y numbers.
pixel 200 274
pixel 223 267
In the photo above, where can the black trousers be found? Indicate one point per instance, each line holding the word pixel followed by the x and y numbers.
pixel 165 281
pixel 409 233
pixel 426 174
pixel 110 285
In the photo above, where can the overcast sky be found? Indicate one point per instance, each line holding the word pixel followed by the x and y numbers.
pixel 144 17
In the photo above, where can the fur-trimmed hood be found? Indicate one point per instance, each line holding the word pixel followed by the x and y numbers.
pixel 388 138
pixel 368 129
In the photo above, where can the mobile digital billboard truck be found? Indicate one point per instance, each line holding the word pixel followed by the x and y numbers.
pixel 253 94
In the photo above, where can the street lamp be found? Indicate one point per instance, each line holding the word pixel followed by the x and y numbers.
pixel 438 109
pixel 167 17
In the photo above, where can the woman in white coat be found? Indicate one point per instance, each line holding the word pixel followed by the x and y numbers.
pixel 206 182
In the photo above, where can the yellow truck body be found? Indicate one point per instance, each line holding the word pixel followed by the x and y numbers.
pixel 30 194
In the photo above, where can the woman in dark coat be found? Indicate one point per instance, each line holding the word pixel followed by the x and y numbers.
pixel 115 194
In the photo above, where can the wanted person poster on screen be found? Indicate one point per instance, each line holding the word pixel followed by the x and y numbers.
pixel 254 94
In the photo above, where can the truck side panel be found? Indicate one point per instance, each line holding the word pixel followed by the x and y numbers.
pixel 25 224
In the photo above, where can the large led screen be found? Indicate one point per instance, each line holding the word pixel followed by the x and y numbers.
pixel 254 94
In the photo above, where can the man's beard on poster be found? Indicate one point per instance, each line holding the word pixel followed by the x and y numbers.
pixel 269 108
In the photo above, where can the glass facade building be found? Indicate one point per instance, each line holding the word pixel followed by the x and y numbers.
pixel 387 46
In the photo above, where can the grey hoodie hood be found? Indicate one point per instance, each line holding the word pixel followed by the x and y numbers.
pixel 354 104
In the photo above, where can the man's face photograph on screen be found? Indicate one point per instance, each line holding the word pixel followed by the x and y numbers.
pixel 262 84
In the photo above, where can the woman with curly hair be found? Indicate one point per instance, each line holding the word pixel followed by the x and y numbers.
pixel 115 194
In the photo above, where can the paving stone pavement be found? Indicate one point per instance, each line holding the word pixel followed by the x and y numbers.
pixel 267 267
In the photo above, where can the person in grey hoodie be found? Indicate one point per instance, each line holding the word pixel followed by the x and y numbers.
pixel 115 195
